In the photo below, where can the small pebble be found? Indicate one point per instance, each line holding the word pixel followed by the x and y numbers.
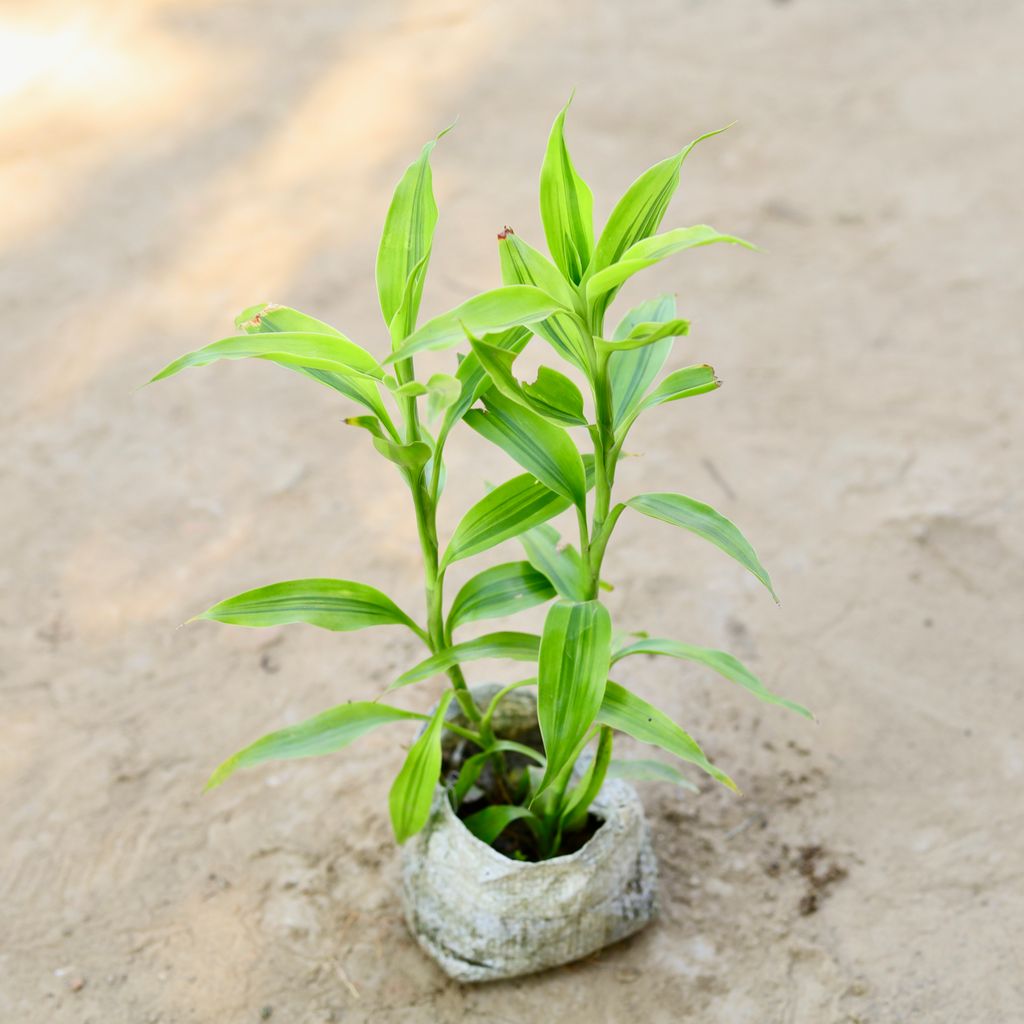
pixel 266 1013
pixel 76 984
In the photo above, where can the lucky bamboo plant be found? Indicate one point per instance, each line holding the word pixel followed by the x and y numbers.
pixel 562 300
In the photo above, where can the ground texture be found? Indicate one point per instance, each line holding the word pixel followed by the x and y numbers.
pixel 167 163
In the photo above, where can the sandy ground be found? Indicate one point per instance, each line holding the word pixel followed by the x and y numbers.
pixel 165 164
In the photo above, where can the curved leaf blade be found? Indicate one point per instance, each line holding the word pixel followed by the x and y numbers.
pixel 724 664
pixel 508 510
pixel 642 770
pixel 413 789
pixel 297 349
pixel 338 605
pixel 704 521
pixel 322 734
pixel 575 653
pixel 514 646
pixel 561 565
pixel 473 765
pixel 488 313
pixel 633 371
pixel 522 264
pixel 626 712
pixel 501 590
pixel 407 238
pixel 489 823
pixel 540 447
pixel 566 206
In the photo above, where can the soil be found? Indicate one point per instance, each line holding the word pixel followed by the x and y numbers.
pixel 167 163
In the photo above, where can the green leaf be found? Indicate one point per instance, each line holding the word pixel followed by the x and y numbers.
pixel 514 646
pixel 704 521
pixel 501 590
pixel 508 510
pixel 575 652
pixel 488 313
pixel 633 371
pixel 561 565
pixel 566 206
pixel 413 790
pixel 473 765
pixel 489 823
pixel 522 264
pixel 289 348
pixel 473 379
pixel 691 380
pixel 645 334
pixel 321 734
pixel 652 250
pixel 574 811
pixel 411 457
pixel 272 319
pixel 540 447
pixel 403 323
pixel 553 395
pixel 724 664
pixel 639 212
pixel 640 770
pixel 339 605
pixel 407 238
pixel 626 712
pixel 368 423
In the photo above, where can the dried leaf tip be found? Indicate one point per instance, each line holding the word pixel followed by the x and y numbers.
pixel 502 235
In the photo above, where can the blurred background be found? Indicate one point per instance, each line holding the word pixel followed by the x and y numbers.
pixel 166 163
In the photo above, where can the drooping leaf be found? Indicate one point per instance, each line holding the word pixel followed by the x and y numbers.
pixel 723 663
pixel 572 668
pixel 339 605
pixel 684 383
pixel 514 646
pixel 560 564
pixel 553 395
pixel 406 239
pixel 322 734
pixel 649 251
pixel 413 790
pixel 508 510
pixel 633 371
pixel 566 206
pixel 704 521
pixel 501 590
pixel 540 447
pixel 489 823
pixel 626 712
pixel 641 770
pixel 267 318
pixel 443 392
pixel 289 348
pixel 488 313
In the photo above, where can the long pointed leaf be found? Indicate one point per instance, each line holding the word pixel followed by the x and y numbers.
pixel 322 734
pixel 522 264
pixel 641 770
pixel 413 790
pixel 489 823
pixel 268 318
pixel 339 605
pixel 501 590
pixel 724 664
pixel 514 646
pixel 626 712
pixel 560 564
pixel 575 652
pixel 488 313
pixel 291 348
pixel 508 510
pixel 540 447
pixel 566 206
pixel 406 238
pixel 704 521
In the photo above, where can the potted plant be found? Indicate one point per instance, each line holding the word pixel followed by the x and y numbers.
pixel 524 845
